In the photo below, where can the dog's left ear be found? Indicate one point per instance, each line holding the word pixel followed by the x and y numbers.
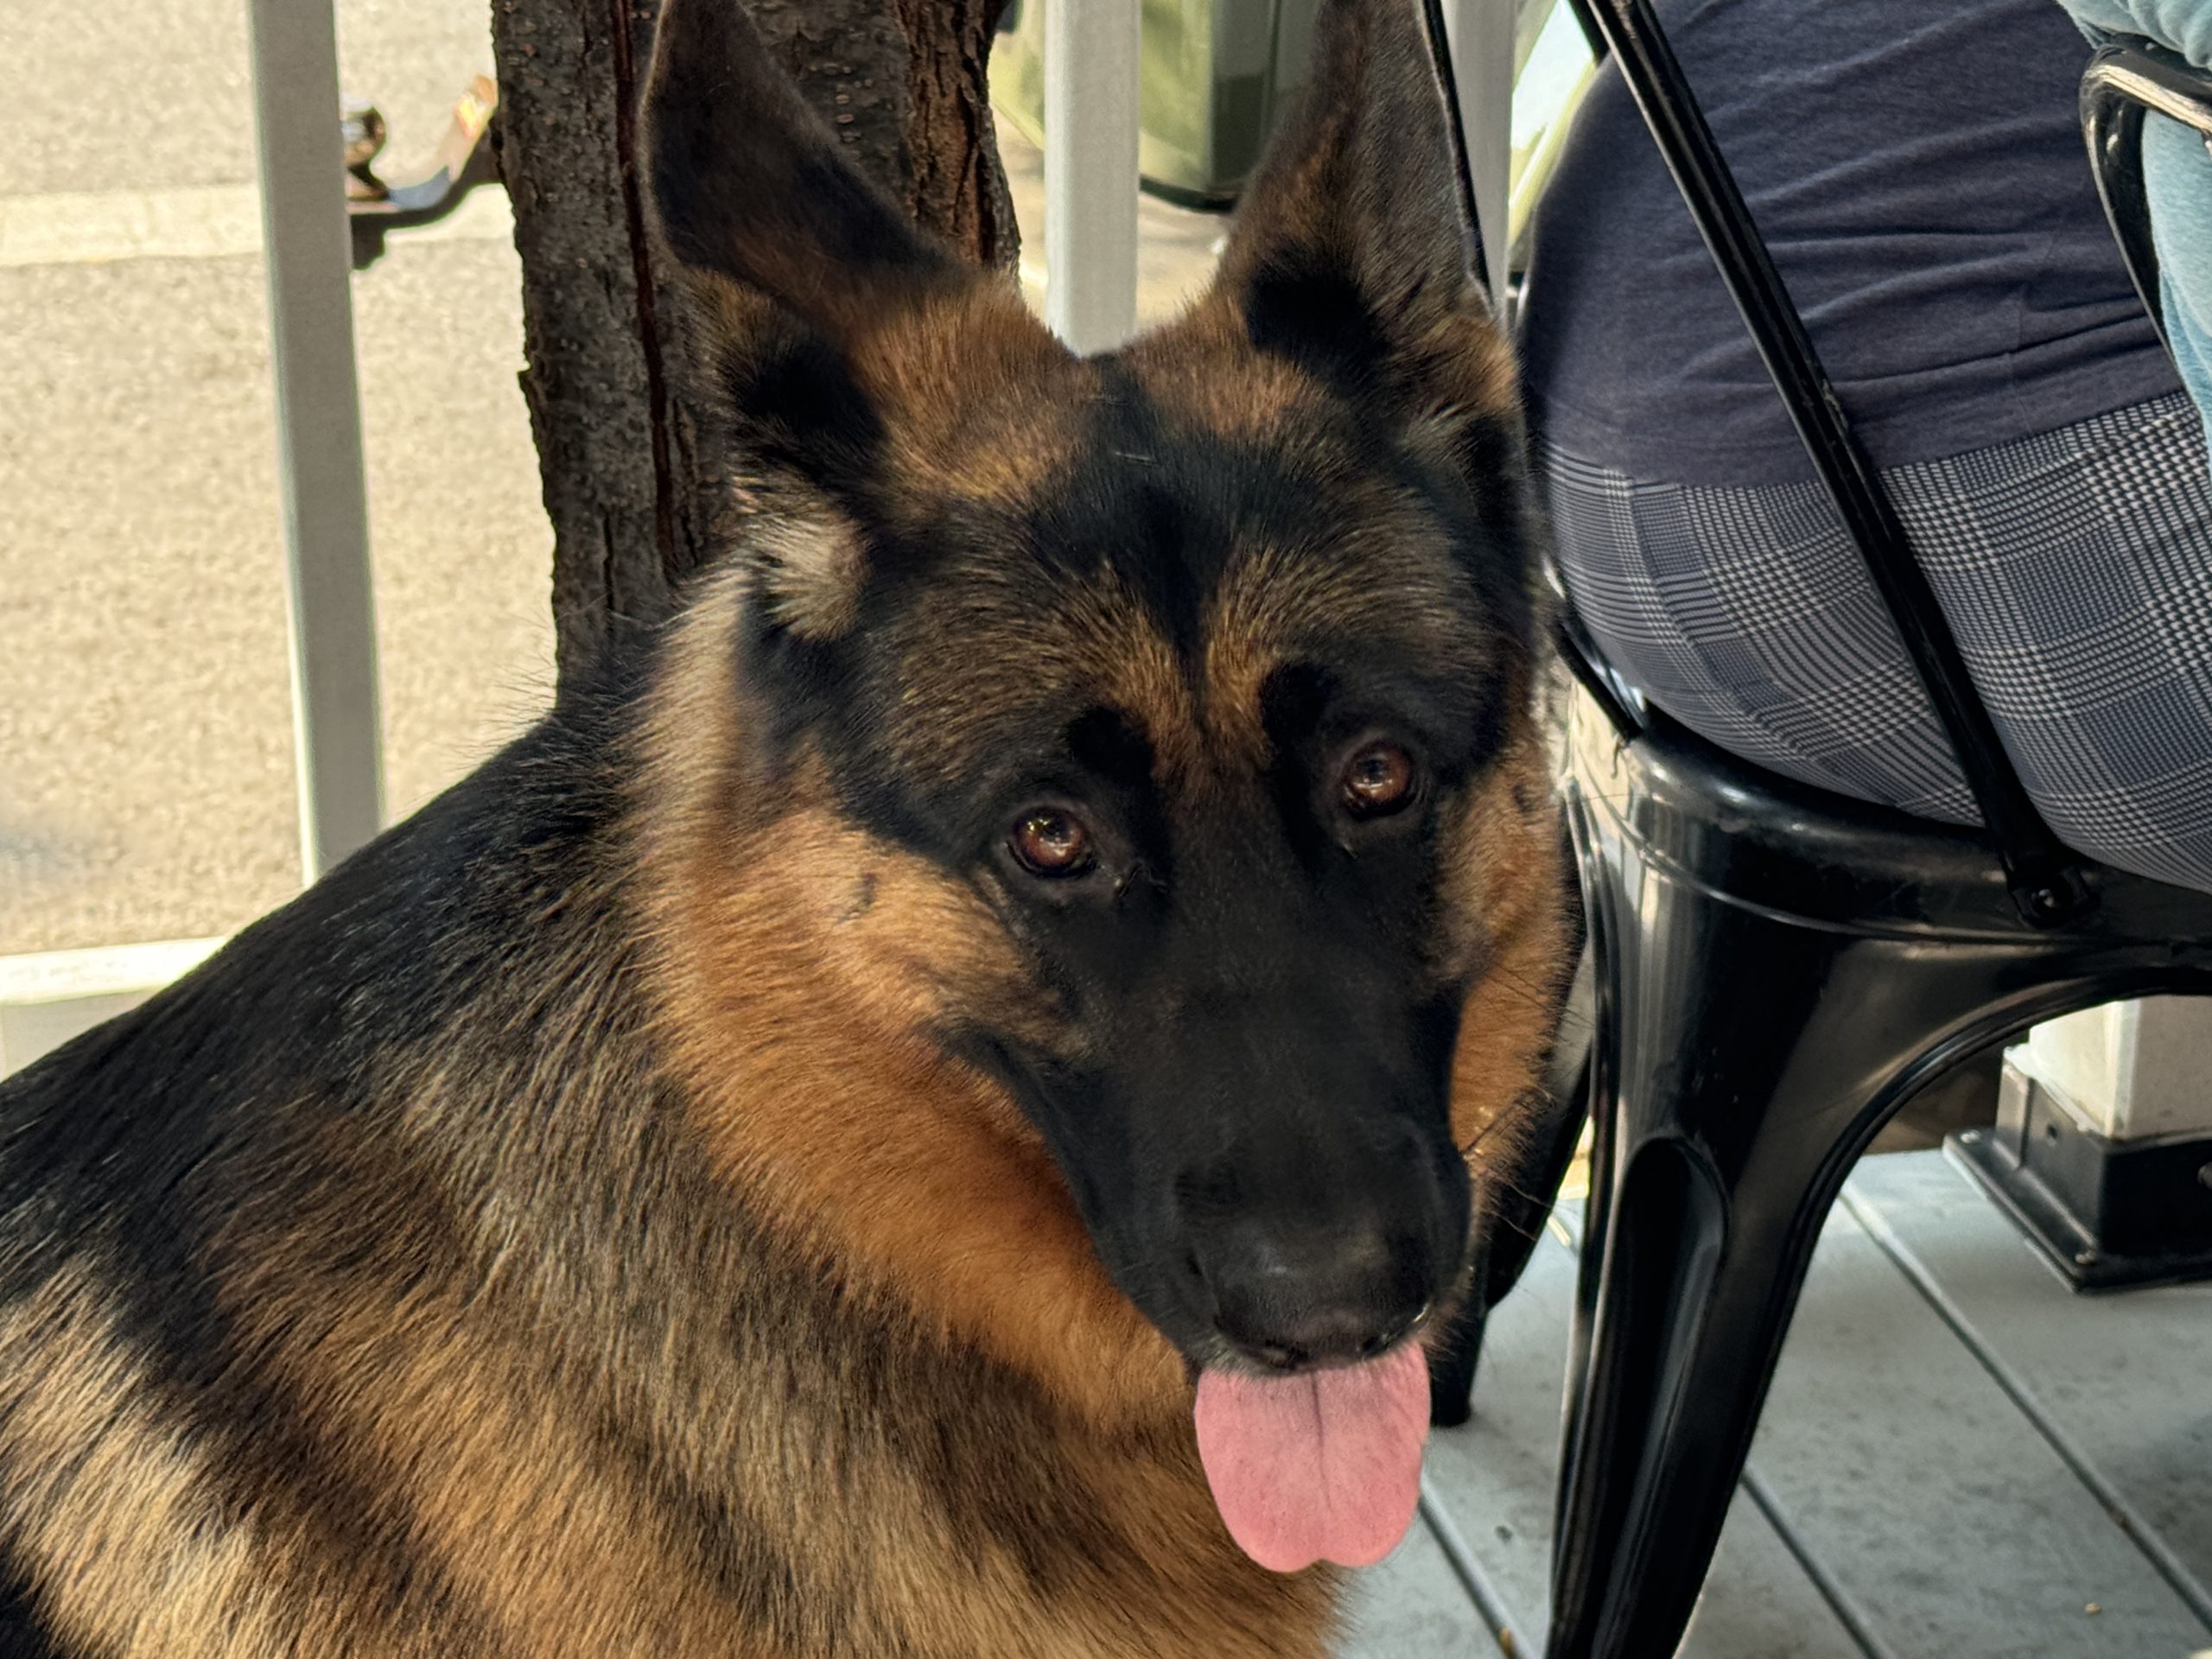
pixel 1352 254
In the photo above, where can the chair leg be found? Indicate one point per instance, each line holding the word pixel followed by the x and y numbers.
pixel 1452 1362
pixel 1742 1061
pixel 1519 1204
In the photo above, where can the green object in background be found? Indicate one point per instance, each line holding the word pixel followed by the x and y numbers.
pixel 1215 77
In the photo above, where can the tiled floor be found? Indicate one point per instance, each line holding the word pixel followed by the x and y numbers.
pixel 1961 1460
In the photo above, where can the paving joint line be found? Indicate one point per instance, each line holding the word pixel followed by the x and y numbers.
pixel 2154 1549
pixel 1498 1621
pixel 200 221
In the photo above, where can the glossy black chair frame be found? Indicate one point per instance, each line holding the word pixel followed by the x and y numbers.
pixel 2124 82
pixel 1778 970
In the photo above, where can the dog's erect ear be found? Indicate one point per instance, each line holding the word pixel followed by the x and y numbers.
pixel 1352 254
pixel 836 342
pixel 747 183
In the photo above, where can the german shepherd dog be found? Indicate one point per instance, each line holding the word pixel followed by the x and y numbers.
pixel 925 1112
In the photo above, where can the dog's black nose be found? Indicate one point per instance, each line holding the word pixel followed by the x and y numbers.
pixel 1293 1298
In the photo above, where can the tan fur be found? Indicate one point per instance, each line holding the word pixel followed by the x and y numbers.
pixel 1205 371
pixel 113 1497
pixel 983 399
pixel 1274 607
pixel 921 1168
pixel 813 566
pixel 1097 640
pixel 1504 872
pixel 980 402
pixel 504 1484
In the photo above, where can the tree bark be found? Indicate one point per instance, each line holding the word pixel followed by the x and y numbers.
pixel 633 501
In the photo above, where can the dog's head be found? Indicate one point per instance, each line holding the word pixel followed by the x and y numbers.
pixel 1159 724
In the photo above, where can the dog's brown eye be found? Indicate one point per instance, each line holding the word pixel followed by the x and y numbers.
pixel 1049 842
pixel 1378 780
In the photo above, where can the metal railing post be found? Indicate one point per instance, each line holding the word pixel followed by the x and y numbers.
pixel 337 732
pixel 1481 35
pixel 1090 171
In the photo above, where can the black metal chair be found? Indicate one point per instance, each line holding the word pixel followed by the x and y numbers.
pixel 1778 970
pixel 2126 80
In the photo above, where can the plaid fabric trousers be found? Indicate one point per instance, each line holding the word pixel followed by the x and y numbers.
pixel 2077 571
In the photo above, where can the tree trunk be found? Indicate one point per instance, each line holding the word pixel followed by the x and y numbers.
pixel 631 500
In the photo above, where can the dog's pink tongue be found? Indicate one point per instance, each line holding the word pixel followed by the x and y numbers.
pixel 1321 1466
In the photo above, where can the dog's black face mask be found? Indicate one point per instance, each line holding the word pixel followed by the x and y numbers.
pixel 1198 674
pixel 1255 1116
pixel 1225 822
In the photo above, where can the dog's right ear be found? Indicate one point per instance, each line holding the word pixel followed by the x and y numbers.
pixel 828 334
pixel 747 185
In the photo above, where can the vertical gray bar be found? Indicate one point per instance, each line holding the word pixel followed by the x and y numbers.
pixel 337 734
pixel 1481 35
pixel 1090 171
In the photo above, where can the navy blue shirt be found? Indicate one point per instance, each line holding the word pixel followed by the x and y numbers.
pixel 1918 175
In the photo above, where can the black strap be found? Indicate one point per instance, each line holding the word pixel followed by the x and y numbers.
pixel 2045 876
pixel 1440 53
